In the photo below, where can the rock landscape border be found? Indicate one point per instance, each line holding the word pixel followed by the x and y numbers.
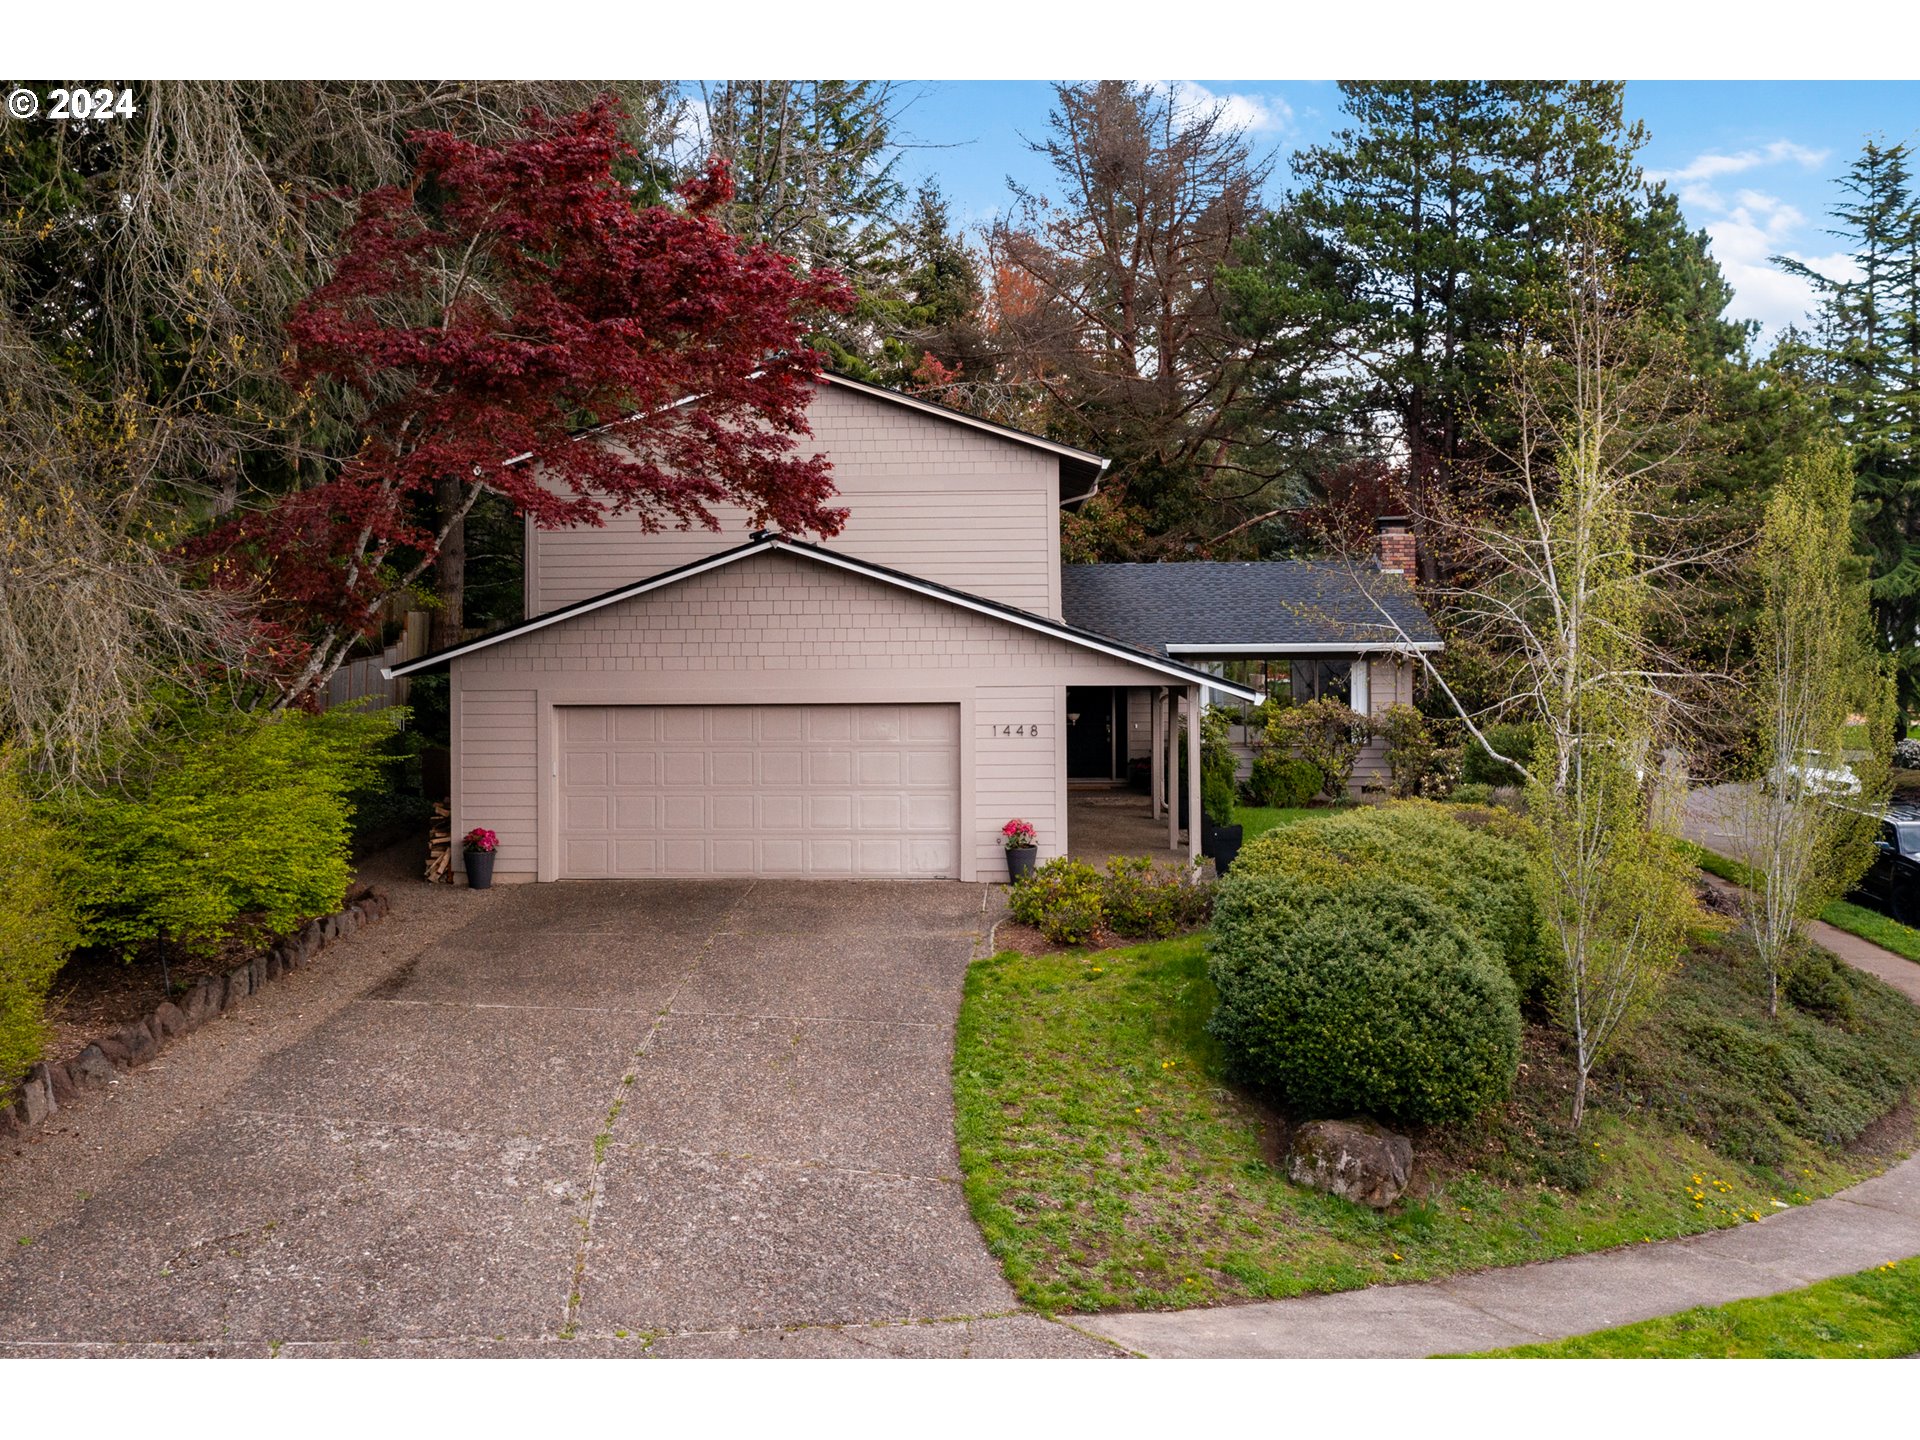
pixel 50 1084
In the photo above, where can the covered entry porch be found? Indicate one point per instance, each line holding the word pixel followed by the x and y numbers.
pixel 1117 738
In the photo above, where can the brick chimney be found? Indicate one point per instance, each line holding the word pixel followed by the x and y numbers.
pixel 1393 545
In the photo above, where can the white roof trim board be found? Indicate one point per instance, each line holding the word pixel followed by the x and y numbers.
pixel 763 543
pixel 1318 647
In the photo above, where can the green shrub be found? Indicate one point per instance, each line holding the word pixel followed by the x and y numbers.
pixel 1417 764
pixel 1814 984
pixel 1517 742
pixel 1217 766
pixel 234 822
pixel 1284 783
pixel 1145 901
pixel 1061 899
pixel 1479 874
pixel 1471 792
pixel 1376 1001
pixel 1323 732
pixel 36 925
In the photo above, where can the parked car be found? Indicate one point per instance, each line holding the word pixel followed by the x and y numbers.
pixel 1818 773
pixel 1892 885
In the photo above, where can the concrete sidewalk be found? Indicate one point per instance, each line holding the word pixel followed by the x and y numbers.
pixel 1870 1224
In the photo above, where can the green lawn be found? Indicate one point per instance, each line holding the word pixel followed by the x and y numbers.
pixel 1258 819
pixel 1109 1166
pixel 1873 1315
pixel 1869 925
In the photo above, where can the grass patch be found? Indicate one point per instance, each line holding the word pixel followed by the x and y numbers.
pixel 1110 1167
pixel 1887 933
pixel 1869 925
pixel 1258 819
pixel 1872 1315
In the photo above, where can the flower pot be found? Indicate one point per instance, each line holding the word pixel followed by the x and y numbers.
pixel 1020 861
pixel 1222 842
pixel 480 869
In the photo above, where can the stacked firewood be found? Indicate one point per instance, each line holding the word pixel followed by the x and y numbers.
pixel 440 846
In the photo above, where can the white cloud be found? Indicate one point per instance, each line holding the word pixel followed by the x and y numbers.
pixel 1710 166
pixel 1746 234
pixel 1749 226
pixel 1255 114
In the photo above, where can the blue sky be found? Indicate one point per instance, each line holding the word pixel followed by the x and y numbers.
pixel 1752 161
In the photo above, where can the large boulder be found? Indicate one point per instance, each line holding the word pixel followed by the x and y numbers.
pixel 1354 1159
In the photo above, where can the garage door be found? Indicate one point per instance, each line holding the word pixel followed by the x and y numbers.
pixel 828 791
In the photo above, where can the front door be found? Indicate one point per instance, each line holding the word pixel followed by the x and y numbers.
pixel 1090 732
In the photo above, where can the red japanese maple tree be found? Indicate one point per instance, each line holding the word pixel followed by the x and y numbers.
pixel 514 322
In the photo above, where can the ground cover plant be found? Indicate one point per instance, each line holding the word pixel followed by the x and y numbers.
pixel 1872 1315
pixel 1111 1164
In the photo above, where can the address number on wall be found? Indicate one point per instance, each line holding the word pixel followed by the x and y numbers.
pixel 1026 732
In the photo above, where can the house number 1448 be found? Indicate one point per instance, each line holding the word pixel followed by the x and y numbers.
pixel 1031 732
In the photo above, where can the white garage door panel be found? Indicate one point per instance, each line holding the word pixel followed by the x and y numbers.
pixel 828 791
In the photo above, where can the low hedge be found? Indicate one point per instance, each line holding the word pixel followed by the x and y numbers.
pixel 1480 874
pixel 231 822
pixel 1377 1001
pixel 1068 900
pixel 36 925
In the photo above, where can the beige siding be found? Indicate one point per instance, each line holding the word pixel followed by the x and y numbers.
pixel 1019 776
pixel 1389 683
pixel 777 629
pixel 929 496
pixel 494 781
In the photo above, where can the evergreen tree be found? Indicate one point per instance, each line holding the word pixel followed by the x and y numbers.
pixel 1864 358
pixel 1450 200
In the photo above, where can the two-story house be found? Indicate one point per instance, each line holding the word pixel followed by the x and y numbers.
pixel 687 703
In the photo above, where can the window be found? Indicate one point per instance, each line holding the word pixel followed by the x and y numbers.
pixel 1323 680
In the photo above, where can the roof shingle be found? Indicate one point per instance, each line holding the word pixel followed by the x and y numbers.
pixel 1259 603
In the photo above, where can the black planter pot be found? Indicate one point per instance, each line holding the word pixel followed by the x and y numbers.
pixel 1020 861
pixel 1222 842
pixel 480 869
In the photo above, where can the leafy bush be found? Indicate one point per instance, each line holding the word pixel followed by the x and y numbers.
pixel 1516 742
pixel 1906 754
pixel 1814 984
pixel 1216 768
pixel 1481 875
pixel 36 925
pixel 1418 766
pixel 1323 732
pixel 233 820
pixel 1150 902
pixel 1471 792
pixel 1061 899
pixel 1377 1001
pixel 1284 782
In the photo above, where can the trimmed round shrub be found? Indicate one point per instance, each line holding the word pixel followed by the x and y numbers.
pixel 1377 1002
pixel 1472 793
pixel 1478 873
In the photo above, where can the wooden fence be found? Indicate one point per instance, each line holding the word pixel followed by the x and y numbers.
pixel 361 679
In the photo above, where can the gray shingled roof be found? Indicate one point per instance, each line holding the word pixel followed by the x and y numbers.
pixel 1255 603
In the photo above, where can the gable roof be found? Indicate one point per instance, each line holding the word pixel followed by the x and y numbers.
pixel 765 542
pixel 1201 607
pixel 1081 466
pixel 1080 470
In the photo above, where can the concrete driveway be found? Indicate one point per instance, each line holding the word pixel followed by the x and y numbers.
pixel 600 1118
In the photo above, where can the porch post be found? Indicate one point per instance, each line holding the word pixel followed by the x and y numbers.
pixel 1173 768
pixel 1194 817
pixel 1155 750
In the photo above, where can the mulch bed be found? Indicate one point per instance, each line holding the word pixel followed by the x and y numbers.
pixel 96 992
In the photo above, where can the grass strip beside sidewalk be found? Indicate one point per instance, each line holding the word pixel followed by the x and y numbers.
pixel 1872 1315
pixel 1869 925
